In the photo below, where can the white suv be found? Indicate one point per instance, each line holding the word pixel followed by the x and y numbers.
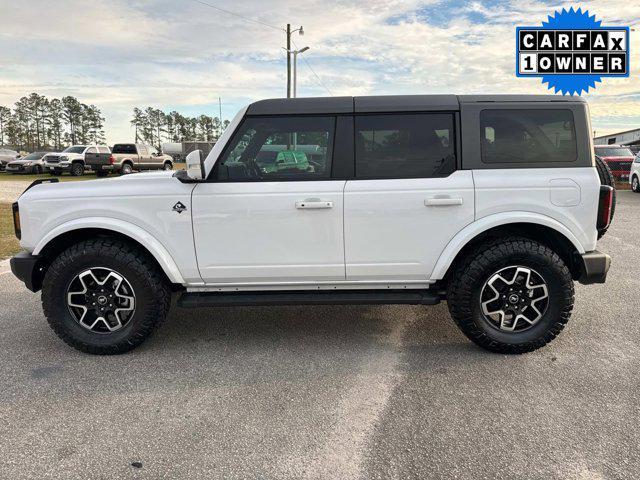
pixel 634 176
pixel 491 203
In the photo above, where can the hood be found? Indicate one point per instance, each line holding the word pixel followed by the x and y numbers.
pixel 22 161
pixel 145 183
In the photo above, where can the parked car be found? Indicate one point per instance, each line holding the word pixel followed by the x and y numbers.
pixel 32 163
pixel 74 159
pixel 127 157
pixel 492 203
pixel 617 157
pixel 7 155
pixel 634 177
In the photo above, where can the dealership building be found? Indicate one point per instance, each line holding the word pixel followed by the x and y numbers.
pixel 628 138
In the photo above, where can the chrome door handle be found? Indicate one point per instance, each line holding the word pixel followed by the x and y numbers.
pixel 442 201
pixel 313 204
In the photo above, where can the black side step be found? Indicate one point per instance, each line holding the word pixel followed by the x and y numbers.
pixel 306 297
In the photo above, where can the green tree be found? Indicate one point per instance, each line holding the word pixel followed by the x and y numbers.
pixel 5 115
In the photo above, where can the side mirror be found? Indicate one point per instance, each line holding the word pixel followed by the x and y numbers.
pixel 195 165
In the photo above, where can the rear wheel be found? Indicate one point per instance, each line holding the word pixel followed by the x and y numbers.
pixel 606 178
pixel 126 169
pixel 635 184
pixel 511 296
pixel 77 169
pixel 168 166
pixel 104 296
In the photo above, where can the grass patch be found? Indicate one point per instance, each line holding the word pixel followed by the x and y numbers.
pixel 8 242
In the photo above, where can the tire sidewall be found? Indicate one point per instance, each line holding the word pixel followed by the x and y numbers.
pixel 55 299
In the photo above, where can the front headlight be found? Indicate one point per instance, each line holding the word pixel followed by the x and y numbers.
pixel 28 164
pixel 64 159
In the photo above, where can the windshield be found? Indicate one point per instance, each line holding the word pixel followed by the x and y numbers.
pixel 75 149
pixel 614 152
pixel 33 156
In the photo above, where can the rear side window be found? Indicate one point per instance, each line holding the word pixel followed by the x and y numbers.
pixel 126 148
pixel 527 136
pixel 404 146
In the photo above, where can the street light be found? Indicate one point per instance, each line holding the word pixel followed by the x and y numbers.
pixel 295 69
pixel 288 49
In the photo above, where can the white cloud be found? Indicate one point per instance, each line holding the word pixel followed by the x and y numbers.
pixel 183 55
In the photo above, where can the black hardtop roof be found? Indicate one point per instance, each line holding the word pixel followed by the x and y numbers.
pixel 389 103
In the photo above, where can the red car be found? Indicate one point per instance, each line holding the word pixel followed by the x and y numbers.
pixel 618 158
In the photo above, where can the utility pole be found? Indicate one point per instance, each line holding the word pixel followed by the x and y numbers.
pixel 288 60
pixel 288 49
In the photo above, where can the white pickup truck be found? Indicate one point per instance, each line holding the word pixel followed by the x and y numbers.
pixel 492 203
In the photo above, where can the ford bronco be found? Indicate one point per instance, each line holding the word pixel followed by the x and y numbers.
pixel 491 203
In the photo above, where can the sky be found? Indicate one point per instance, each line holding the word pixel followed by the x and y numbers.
pixel 183 54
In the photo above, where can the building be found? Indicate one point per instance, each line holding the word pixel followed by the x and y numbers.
pixel 630 138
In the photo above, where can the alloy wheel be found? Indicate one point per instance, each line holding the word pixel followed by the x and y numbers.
pixel 101 300
pixel 514 298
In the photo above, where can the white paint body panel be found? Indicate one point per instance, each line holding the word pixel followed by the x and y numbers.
pixel 137 205
pixel 395 230
pixel 250 232
pixel 541 191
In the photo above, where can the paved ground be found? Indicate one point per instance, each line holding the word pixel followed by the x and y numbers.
pixel 330 392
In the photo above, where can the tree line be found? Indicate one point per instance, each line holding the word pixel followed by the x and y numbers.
pixel 153 127
pixel 36 122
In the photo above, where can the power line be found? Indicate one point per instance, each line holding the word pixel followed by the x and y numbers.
pixel 246 19
pixel 313 71
pixel 259 22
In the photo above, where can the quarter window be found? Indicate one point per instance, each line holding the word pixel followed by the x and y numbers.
pixel 527 136
pixel 405 146
pixel 279 149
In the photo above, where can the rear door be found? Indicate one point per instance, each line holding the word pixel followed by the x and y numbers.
pixel 408 199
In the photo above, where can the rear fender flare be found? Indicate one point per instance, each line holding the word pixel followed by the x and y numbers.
pixel 471 231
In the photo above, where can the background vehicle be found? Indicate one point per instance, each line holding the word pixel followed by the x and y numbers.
pixel 618 159
pixel 634 176
pixel 74 159
pixel 7 155
pixel 492 203
pixel 32 163
pixel 127 157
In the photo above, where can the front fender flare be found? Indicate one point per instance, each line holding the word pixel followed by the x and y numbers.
pixel 157 250
pixel 471 231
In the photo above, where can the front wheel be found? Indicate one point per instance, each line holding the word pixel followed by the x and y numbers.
pixel 77 169
pixel 511 296
pixel 635 184
pixel 104 296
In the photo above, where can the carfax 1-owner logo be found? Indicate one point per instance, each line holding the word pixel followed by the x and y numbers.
pixel 572 51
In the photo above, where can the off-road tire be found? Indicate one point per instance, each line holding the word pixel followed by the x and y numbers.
pixel 606 178
pixel 152 295
pixel 470 275
pixel 635 184
pixel 77 169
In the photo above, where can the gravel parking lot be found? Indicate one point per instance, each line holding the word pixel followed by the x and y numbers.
pixel 330 392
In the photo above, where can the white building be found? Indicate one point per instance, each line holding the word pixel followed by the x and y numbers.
pixel 629 137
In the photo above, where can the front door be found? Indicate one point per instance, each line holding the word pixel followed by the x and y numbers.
pixel 408 200
pixel 270 212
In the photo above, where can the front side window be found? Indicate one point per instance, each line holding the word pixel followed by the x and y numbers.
pixel 527 136
pixel 74 149
pixel 405 146
pixel 279 149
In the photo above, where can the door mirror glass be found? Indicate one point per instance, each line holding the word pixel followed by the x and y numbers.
pixel 195 165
